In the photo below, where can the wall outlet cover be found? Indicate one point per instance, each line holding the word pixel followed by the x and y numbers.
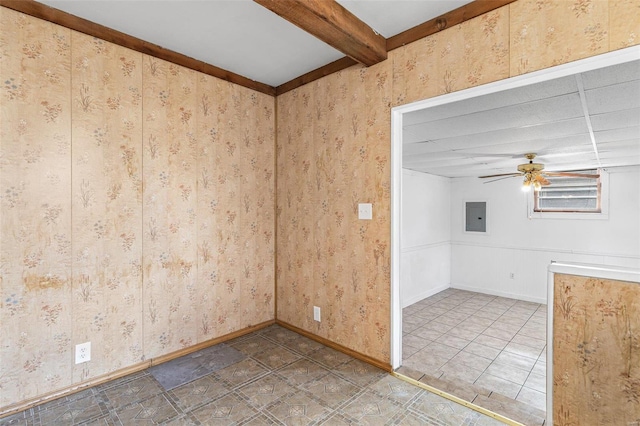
pixel 83 352
pixel 316 313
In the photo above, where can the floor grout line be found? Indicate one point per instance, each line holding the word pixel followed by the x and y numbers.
pixel 505 309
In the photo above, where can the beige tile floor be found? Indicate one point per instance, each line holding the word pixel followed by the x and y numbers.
pixel 284 379
pixel 489 341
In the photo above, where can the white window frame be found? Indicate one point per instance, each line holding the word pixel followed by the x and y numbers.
pixel 604 205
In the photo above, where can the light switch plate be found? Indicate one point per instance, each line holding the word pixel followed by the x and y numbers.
pixel 365 211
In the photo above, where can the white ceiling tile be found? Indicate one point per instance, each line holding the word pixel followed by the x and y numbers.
pixel 611 75
pixel 615 120
pixel 485 136
pixel 510 117
pixel 522 95
pixel 617 97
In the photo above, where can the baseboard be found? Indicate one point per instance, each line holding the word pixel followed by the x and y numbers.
pixel 424 295
pixel 362 357
pixel 491 292
pixel 77 387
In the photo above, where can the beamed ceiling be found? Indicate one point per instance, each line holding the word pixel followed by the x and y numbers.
pixel 268 45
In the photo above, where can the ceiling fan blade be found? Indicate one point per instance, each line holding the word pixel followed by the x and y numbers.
pixel 539 178
pixel 503 174
pixel 500 178
pixel 570 174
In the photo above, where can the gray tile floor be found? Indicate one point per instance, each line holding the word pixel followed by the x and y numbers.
pixel 283 379
pixel 489 341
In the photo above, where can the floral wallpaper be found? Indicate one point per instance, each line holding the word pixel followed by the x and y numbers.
pixel 334 143
pixel 36 322
pixel 106 192
pixel 596 358
pixel 473 53
pixel 138 207
pixel 138 198
pixel 333 153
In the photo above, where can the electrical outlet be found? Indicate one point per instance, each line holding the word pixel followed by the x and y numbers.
pixel 316 313
pixel 83 352
pixel 512 275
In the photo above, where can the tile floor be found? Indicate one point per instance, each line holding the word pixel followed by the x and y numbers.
pixel 284 379
pixel 493 342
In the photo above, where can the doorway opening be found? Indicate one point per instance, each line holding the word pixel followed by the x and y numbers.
pixel 456 294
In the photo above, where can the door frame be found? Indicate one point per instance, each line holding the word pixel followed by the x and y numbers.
pixel 600 61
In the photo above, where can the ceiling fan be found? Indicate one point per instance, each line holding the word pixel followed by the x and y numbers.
pixel 535 176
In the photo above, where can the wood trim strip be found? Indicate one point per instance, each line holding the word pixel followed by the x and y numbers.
pixel 30 403
pixel 316 74
pixel 330 22
pixel 362 357
pixel 447 20
pixel 186 351
pixel 47 13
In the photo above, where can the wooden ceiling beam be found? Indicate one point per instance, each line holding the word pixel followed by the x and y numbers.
pixel 330 22
pixel 444 21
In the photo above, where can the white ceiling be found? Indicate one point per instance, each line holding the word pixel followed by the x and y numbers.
pixel 240 35
pixel 490 134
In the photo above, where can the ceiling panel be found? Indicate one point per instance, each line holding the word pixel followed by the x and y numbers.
pixel 616 120
pixel 518 116
pixel 611 75
pixel 391 18
pixel 521 95
pixel 526 135
pixel 617 97
pixel 237 35
pixel 490 134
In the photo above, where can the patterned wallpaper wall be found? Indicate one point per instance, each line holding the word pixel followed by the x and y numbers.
pixel 596 351
pixel 334 151
pixel 137 207
pixel 137 196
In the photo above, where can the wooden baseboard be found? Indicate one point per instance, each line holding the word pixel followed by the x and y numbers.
pixel 186 351
pixel 362 357
pixel 77 387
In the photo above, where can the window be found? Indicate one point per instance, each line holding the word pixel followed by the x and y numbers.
pixel 570 194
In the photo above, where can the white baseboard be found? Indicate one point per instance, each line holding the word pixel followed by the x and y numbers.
pixel 491 292
pixel 418 297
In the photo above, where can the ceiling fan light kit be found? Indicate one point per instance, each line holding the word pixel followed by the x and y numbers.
pixel 534 174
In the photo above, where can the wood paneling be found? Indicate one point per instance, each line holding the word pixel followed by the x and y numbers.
pixel 144 232
pixel 596 351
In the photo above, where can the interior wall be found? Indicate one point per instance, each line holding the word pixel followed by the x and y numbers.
pixel 333 153
pixel 525 247
pixel 333 135
pixel 137 207
pixel 596 380
pixel 426 236
pixel 344 118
